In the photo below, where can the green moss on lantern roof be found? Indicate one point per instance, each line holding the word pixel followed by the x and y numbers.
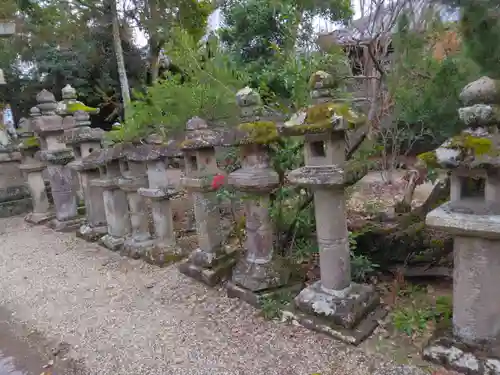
pixel 31 142
pixel 262 132
pixel 477 146
pixel 319 118
pixel 78 106
pixel 429 159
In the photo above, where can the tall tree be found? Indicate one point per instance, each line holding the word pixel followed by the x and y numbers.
pixel 120 62
pixel 480 27
pixel 158 18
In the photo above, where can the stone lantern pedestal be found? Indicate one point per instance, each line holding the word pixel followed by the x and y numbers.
pixel 14 196
pixel 473 218
pixel 32 170
pixel 49 128
pixel 84 140
pixel 334 305
pixel 210 263
pixel 258 274
pixel 133 178
pixel 115 199
pixel 164 249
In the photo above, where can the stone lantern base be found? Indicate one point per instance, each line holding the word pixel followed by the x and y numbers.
pixel 111 242
pixel 14 200
pixel 70 225
pixel 92 234
pixel 350 315
pixel 37 218
pixel 210 270
pixel 162 254
pixel 136 247
pixel 449 351
pixel 253 282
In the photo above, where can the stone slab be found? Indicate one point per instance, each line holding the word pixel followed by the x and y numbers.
pixel 258 277
pixel 38 218
pixel 16 207
pixel 210 276
pixel 66 225
pixel 449 352
pixel 460 223
pixel 352 336
pixel 255 298
pixel 136 249
pixel 112 243
pixel 91 234
pixel 164 254
pixel 343 308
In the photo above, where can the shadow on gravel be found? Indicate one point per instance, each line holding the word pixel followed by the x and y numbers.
pixel 24 352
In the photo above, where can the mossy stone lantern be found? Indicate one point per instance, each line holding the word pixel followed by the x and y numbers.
pixel 334 305
pixel 209 263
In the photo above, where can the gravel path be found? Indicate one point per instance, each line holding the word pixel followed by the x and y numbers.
pixel 121 316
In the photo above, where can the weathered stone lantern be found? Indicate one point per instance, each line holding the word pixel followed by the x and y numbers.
pixel 7 29
pixel 84 140
pixel 115 199
pixel 335 305
pixel 209 263
pixel 160 192
pixel 49 128
pixel 69 105
pixel 134 176
pixel 32 169
pixel 14 196
pixel 257 274
pixel 473 217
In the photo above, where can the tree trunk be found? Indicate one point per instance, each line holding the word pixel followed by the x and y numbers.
pixel 120 61
pixel 154 42
pixel 154 60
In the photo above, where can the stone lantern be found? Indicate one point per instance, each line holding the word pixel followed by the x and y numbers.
pixel 472 216
pixel 32 169
pixel 115 199
pixel 209 263
pixel 257 274
pixel 334 305
pixel 49 128
pixel 160 192
pixel 84 140
pixel 69 105
pixel 133 177
pixel 7 29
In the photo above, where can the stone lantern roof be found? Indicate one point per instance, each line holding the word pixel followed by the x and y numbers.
pixel 199 135
pixel 152 152
pixel 478 145
pixel 328 114
pixel 473 157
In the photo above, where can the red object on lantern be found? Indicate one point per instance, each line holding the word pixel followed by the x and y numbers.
pixel 217 181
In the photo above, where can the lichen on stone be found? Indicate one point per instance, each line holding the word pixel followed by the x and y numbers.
pixel 480 115
pixel 261 132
